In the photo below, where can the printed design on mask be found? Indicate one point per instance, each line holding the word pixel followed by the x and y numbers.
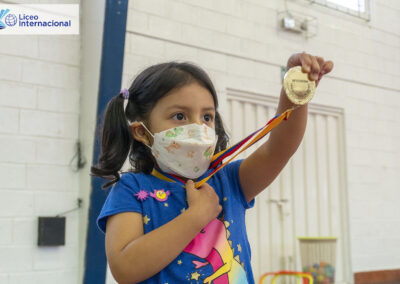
pixel 174 132
pixel 208 152
pixel 142 195
pixel 184 151
pixel 171 146
pixel 191 133
pixel 213 246
pixel 160 194
pixel 190 154
pixel 206 133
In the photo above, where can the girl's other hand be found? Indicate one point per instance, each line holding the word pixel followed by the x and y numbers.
pixel 203 202
pixel 315 66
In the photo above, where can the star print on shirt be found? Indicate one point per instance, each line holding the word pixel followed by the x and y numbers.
pixel 239 248
pixel 195 276
pixel 179 262
pixel 146 219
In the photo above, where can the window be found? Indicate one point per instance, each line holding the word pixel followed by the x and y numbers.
pixel 358 8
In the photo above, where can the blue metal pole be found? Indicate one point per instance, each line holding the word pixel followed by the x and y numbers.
pixel 110 82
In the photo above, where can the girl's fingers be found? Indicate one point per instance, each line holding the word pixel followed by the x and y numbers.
pixel 313 75
pixel 190 185
pixel 306 62
pixel 314 66
pixel 327 67
pixel 321 63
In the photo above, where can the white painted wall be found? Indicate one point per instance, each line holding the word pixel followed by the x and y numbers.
pixel 39 123
pixel 240 45
pixel 47 102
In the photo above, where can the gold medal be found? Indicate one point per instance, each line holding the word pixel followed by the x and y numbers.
pixel 298 88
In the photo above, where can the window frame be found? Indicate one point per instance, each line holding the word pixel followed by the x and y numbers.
pixel 366 15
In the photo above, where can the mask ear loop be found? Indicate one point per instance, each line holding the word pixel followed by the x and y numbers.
pixel 147 131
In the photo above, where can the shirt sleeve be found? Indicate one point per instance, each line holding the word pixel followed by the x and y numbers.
pixel 232 171
pixel 120 199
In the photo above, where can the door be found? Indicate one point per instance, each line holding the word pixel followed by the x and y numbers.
pixel 309 196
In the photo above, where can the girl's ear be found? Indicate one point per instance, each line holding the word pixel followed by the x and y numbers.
pixel 139 133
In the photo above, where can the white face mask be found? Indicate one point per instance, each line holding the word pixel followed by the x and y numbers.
pixel 184 150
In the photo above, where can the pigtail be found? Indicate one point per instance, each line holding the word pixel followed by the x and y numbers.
pixel 115 142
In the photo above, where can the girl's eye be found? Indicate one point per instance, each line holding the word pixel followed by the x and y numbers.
pixel 208 117
pixel 179 116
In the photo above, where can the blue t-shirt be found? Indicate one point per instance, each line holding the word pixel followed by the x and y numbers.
pixel 222 245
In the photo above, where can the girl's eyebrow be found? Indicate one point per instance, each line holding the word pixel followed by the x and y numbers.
pixel 188 108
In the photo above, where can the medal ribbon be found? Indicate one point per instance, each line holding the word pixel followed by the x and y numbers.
pixel 216 160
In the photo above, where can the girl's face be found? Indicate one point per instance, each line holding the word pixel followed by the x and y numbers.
pixel 191 103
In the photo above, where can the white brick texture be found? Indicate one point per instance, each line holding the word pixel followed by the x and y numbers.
pixel 239 44
pixel 39 110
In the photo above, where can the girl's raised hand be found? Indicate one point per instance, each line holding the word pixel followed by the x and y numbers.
pixel 315 66
pixel 203 202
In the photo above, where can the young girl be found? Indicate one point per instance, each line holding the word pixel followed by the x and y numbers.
pixel 158 227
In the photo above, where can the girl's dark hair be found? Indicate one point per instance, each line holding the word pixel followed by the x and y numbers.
pixel 149 86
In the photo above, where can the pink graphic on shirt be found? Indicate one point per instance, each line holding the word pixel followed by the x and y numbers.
pixel 142 195
pixel 213 246
pixel 160 194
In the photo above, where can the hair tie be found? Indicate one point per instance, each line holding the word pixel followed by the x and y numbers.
pixel 125 93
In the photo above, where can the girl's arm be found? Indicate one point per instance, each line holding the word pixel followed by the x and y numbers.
pixel 259 169
pixel 134 256
pixel 146 254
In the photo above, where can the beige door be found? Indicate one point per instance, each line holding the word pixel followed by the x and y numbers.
pixel 308 198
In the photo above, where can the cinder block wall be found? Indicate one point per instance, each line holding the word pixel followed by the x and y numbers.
pixel 240 45
pixel 39 123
